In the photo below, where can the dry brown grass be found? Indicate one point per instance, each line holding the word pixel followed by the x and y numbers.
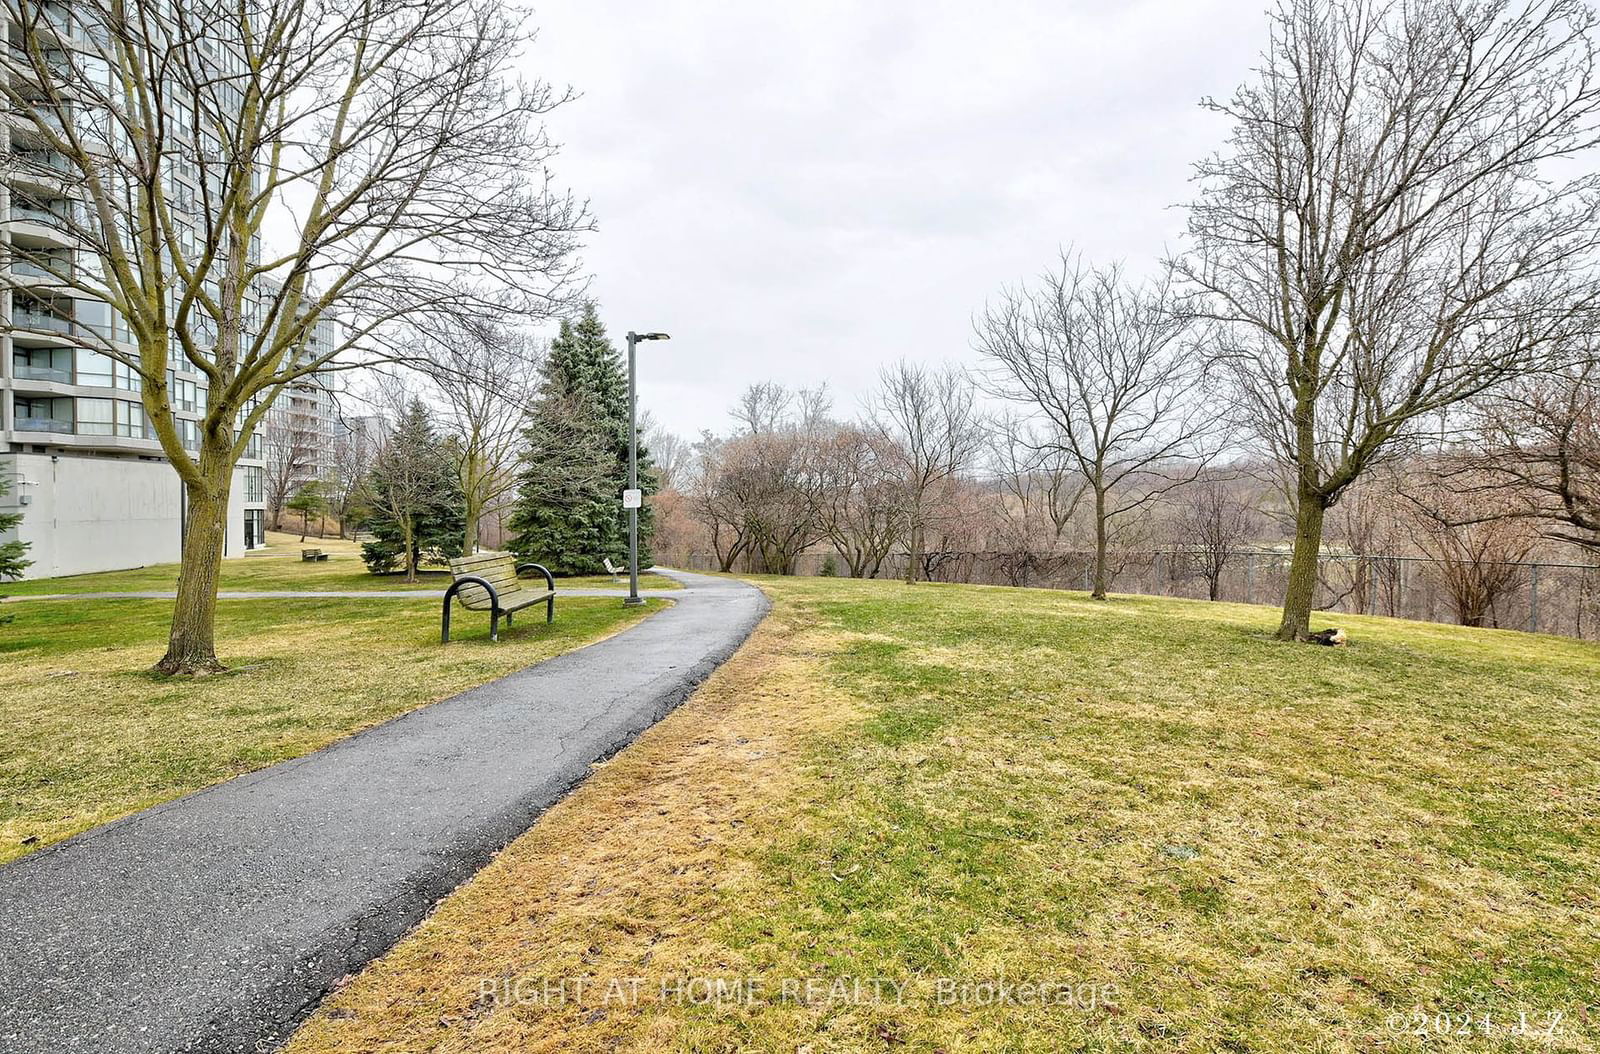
pixel 623 878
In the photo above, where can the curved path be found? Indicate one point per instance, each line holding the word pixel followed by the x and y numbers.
pixel 217 921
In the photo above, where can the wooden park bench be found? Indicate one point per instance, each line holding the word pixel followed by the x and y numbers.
pixel 308 555
pixel 490 582
pixel 613 570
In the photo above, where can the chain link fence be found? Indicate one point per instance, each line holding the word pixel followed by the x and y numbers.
pixel 1544 597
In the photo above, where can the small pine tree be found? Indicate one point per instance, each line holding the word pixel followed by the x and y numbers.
pixel 12 563
pixel 418 512
pixel 568 513
pixel 307 501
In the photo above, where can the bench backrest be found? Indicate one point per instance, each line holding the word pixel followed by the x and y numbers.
pixel 611 568
pixel 498 569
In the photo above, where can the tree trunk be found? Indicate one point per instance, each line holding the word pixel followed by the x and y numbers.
pixel 1302 591
pixel 913 553
pixel 406 535
pixel 1100 582
pixel 192 642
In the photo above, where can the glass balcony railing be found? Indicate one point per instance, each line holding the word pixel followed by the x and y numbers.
pixel 47 160
pixel 40 115
pixel 34 214
pixel 33 270
pixel 22 318
pixel 27 372
pixel 44 424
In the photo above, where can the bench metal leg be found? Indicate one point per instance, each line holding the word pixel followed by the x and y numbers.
pixel 508 620
pixel 444 623
pixel 494 624
pixel 549 610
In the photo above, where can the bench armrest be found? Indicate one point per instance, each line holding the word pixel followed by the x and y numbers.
pixel 472 580
pixel 549 579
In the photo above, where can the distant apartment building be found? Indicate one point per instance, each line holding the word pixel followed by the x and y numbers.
pixel 82 459
pixel 303 429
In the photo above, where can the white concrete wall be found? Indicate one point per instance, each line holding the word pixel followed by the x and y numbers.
pixel 88 514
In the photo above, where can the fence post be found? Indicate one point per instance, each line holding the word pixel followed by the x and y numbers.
pixel 1249 578
pixel 1533 600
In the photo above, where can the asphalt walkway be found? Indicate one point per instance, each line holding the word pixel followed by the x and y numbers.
pixel 218 921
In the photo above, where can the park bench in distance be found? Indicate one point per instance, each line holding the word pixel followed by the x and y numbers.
pixel 612 569
pixel 309 555
pixel 489 582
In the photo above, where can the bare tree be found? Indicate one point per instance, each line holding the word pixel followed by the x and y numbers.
pixel 1214 524
pixel 668 450
pixel 233 176
pixel 863 505
pixel 354 449
pixel 716 496
pixel 1477 549
pixel 1382 236
pixel 930 420
pixel 1370 523
pixel 1041 491
pixel 290 454
pixel 762 408
pixel 1109 366
pixel 486 376
pixel 1543 445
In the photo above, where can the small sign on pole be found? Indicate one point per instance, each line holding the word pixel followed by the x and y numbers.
pixel 632 499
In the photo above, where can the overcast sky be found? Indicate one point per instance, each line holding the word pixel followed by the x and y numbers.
pixel 803 192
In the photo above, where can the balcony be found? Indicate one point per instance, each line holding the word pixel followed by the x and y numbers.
pixel 40 322
pixel 35 214
pixel 45 168
pixel 23 371
pixel 36 119
pixel 44 424
pixel 25 268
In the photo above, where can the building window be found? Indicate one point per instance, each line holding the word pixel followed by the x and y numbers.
pixel 94 317
pixel 254 529
pixel 183 394
pixel 94 369
pixel 127 377
pixel 255 483
pixel 95 417
pixel 131 421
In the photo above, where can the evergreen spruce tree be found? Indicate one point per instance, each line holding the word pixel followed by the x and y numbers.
pixel 11 562
pixel 418 512
pixel 569 514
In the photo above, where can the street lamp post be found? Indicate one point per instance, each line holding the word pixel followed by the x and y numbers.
pixel 633 499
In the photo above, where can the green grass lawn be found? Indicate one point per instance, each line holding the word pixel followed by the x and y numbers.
pixel 1230 843
pixel 87 734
